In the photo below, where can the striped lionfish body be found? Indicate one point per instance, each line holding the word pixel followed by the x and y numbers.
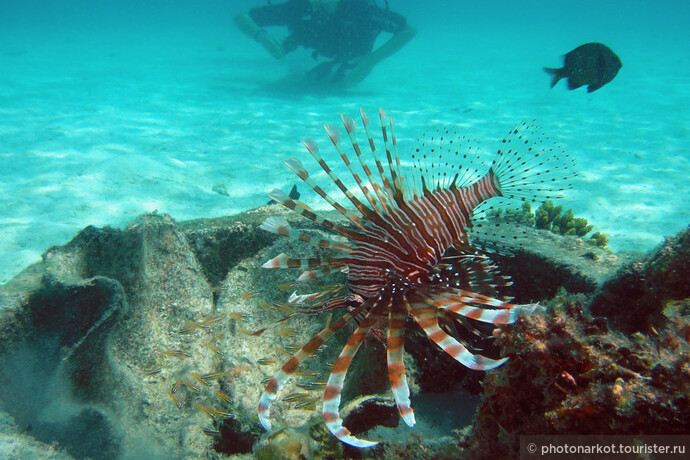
pixel 408 253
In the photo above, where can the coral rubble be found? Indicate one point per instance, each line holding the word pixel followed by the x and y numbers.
pixel 635 297
pixel 590 380
pixel 625 371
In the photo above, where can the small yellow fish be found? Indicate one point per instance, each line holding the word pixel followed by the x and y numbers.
pixel 248 295
pixel 307 373
pixel 253 334
pixel 220 414
pixel 291 349
pixel 327 287
pixel 199 378
pixel 312 386
pixel 200 325
pixel 223 397
pixel 286 331
pixel 284 307
pixel 211 432
pixel 238 316
pixel 190 385
pixel 206 410
pixel 188 328
pixel 175 399
pixel 265 362
pixel 212 320
pixel 214 349
pixel 179 354
pixel 308 404
pixel 175 386
pixel 213 375
pixel 296 396
pixel 154 372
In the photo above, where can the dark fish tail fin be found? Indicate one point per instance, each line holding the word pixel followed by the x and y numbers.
pixel 556 75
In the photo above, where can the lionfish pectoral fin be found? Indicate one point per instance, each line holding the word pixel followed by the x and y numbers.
pixel 396 366
pixel 283 261
pixel 472 305
pixel 465 305
pixel 278 381
pixel 280 226
pixel 334 387
pixel 427 319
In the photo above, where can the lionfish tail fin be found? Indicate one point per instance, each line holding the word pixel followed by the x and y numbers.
pixel 531 167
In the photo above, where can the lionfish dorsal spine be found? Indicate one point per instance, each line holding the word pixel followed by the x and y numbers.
pixel 301 209
pixel 280 226
pixel 296 166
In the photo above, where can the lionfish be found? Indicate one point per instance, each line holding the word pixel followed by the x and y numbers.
pixel 408 251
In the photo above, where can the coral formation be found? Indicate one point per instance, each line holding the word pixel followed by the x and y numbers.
pixel 549 217
pixel 598 239
pixel 522 215
pixel 591 380
pixel 635 297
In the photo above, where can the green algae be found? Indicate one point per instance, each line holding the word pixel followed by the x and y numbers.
pixel 552 218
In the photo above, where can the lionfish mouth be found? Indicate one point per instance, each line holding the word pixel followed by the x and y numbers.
pixel 408 251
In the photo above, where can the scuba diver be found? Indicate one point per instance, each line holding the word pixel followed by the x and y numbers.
pixel 342 31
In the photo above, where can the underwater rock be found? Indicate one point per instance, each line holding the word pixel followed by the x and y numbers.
pixel 221 243
pixel 87 434
pixel 287 444
pixel 589 380
pixel 153 331
pixel 76 330
pixel 542 262
pixel 368 412
pixel 15 444
pixel 633 300
pixel 220 189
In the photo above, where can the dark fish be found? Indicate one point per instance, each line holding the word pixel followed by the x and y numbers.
pixel 294 194
pixel 591 64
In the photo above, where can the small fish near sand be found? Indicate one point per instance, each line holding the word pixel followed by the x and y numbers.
pixel 592 64
pixel 294 194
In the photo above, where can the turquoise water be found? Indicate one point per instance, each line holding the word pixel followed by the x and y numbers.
pixel 109 109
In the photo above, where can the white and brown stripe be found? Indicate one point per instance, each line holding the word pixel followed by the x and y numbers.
pixel 398 257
